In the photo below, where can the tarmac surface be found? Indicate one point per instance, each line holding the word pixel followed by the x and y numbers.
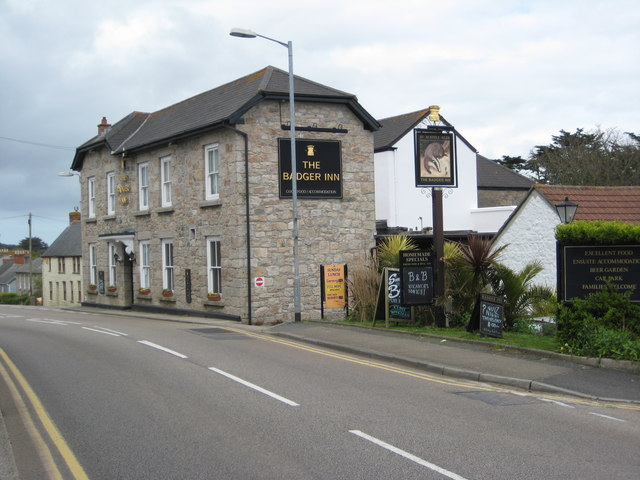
pixel 533 370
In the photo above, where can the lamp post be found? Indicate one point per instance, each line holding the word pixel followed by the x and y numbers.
pixel 566 210
pixel 244 33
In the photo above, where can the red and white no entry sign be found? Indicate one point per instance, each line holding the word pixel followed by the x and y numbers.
pixel 259 281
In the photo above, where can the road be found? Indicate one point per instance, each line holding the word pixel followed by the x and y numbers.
pixel 125 397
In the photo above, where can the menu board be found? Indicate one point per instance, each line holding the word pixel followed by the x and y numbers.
pixel 416 272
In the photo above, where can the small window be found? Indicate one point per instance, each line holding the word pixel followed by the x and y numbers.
pixel 113 267
pixel 214 265
pixel 143 186
pixel 165 179
pixel 93 263
pixel 111 193
pixel 212 174
pixel 91 196
pixel 145 267
pixel 167 265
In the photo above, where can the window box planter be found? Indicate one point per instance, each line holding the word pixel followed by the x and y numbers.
pixel 112 289
pixel 167 293
pixel 214 297
pixel 144 291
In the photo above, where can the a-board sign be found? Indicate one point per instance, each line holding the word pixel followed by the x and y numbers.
pixel 389 303
pixel 491 314
pixel 416 273
pixel 334 286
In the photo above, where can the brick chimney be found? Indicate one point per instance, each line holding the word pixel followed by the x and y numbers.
pixel 103 126
pixel 74 217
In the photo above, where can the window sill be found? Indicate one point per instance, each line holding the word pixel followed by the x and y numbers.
pixel 142 213
pixel 164 210
pixel 168 299
pixel 91 220
pixel 92 292
pixel 111 294
pixel 214 303
pixel 210 203
pixel 144 297
pixel 109 218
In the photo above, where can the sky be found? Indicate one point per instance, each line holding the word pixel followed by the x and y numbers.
pixel 508 74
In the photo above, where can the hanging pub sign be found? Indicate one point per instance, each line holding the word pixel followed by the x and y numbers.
pixel 318 165
pixel 416 273
pixel 435 158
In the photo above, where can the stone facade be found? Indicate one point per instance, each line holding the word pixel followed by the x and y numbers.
pixel 331 230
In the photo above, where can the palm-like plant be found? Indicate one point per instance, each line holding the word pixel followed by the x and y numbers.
pixel 389 250
pixel 467 268
pixel 521 295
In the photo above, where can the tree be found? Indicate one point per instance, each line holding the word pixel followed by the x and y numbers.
pixel 38 246
pixel 583 158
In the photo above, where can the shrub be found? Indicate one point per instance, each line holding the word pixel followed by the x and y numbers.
pixel 14 299
pixel 388 251
pixel 605 324
pixel 364 281
pixel 598 233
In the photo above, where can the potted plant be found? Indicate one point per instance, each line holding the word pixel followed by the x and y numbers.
pixel 167 292
pixel 112 289
pixel 144 291
pixel 214 296
pixel 92 287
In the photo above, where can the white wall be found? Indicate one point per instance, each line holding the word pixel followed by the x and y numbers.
pixel 530 235
pixel 490 219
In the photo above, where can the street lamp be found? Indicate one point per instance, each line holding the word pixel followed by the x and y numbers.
pixel 566 210
pixel 244 33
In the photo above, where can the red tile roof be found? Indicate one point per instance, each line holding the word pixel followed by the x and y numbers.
pixel 597 203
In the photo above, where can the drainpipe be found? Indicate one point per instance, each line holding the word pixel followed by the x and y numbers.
pixel 246 189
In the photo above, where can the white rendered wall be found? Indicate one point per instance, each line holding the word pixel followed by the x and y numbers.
pixel 490 219
pixel 530 235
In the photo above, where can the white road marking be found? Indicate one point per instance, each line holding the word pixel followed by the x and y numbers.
pixel 556 402
pixel 255 387
pixel 164 349
pixel 50 322
pixel 407 455
pixel 101 331
pixel 112 331
pixel 607 417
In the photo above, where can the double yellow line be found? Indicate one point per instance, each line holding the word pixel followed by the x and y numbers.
pixel 23 396
pixel 433 378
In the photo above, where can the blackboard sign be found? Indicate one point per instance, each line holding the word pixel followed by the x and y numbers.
pixel 389 303
pixel 585 269
pixel 187 285
pixel 491 314
pixel 416 272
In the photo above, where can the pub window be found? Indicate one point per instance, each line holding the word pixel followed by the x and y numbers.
pixel 212 173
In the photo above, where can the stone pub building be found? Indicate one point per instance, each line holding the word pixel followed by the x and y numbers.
pixel 195 199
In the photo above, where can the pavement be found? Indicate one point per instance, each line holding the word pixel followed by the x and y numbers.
pixel 531 370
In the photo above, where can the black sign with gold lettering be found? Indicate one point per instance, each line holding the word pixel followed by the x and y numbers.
pixel 586 269
pixel 318 165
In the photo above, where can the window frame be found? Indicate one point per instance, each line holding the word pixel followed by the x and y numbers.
pixel 113 267
pixel 145 264
pixel 168 274
pixel 93 264
pixel 143 186
pixel 212 175
pixel 111 193
pixel 214 265
pixel 165 181
pixel 91 197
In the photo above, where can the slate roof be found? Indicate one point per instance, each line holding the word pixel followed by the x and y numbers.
pixel 37 267
pixel 597 203
pixel 68 243
pixel 212 109
pixel 395 128
pixel 493 176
